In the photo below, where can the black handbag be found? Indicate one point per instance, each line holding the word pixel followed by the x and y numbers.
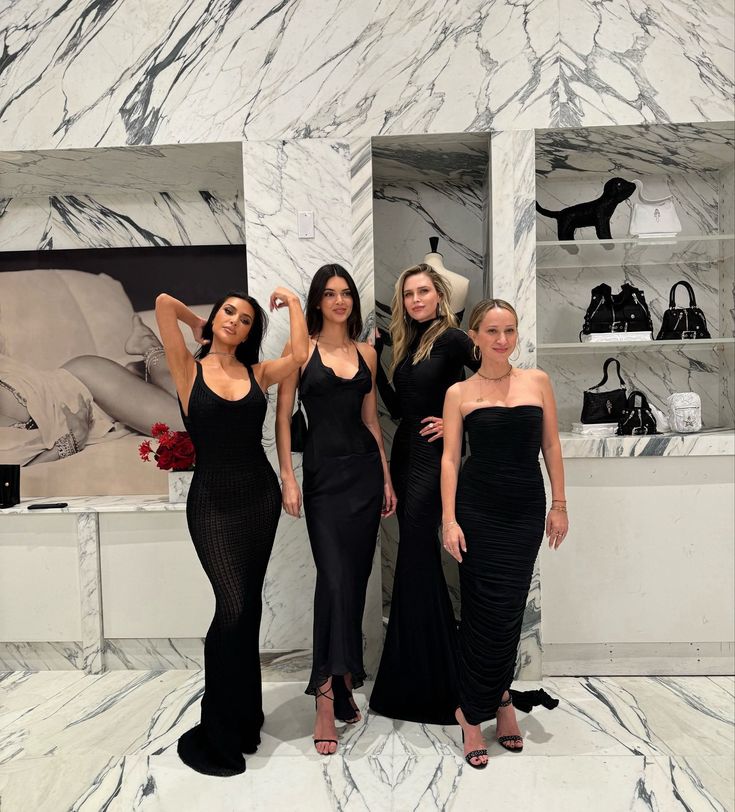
pixel 299 429
pixel 622 312
pixel 604 407
pixel 682 322
pixel 9 485
pixel 637 418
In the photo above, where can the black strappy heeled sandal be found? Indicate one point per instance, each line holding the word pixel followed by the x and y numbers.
pixel 503 739
pixel 344 709
pixel 319 693
pixel 473 753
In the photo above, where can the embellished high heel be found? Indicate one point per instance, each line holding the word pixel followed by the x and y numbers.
pixel 474 753
pixel 503 739
pixel 319 693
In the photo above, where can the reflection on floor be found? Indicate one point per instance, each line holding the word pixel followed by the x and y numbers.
pixel 70 741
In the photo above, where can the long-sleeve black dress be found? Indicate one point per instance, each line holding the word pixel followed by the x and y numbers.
pixel 343 496
pixel 232 511
pixel 417 678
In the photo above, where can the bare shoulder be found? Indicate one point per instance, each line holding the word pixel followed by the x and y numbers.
pixel 454 393
pixel 367 351
pixel 534 375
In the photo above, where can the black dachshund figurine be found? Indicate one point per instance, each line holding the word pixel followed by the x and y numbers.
pixel 595 213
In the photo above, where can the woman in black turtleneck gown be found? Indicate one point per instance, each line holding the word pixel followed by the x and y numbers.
pixel 417 679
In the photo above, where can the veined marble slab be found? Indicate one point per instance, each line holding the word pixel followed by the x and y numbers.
pixel 713 443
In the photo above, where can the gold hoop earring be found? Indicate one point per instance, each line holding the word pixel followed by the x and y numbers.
pixel 476 353
pixel 519 354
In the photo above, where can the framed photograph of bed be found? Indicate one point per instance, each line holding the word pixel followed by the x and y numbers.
pixel 81 381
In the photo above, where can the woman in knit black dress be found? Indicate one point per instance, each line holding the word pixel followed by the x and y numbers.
pixel 346 487
pixel 233 504
pixel 494 516
pixel 417 678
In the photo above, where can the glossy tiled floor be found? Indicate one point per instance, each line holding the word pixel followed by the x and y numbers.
pixel 70 741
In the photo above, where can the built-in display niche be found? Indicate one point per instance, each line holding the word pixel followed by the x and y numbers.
pixel 430 186
pixel 98 234
pixel 692 163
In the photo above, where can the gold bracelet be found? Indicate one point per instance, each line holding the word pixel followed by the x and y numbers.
pixel 447 524
pixel 558 507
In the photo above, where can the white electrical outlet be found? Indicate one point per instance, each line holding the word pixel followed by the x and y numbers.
pixel 305 223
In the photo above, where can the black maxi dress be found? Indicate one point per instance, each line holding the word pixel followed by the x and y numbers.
pixel 501 508
pixel 343 497
pixel 232 512
pixel 417 678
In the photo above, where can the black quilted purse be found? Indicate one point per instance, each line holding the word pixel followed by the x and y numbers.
pixel 299 429
pixel 682 322
pixel 604 407
pixel 622 312
pixel 637 418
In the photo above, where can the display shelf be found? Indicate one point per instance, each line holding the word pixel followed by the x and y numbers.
pixel 574 348
pixel 715 442
pixel 691 250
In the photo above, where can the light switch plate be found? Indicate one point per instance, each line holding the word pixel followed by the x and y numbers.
pixel 305 220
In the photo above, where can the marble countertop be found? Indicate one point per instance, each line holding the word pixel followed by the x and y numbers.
pixel 99 504
pixel 707 443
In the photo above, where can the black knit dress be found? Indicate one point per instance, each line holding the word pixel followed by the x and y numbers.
pixel 417 678
pixel 232 511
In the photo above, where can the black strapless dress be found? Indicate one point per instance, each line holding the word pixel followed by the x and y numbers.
pixel 501 508
pixel 232 511
pixel 343 497
pixel 417 678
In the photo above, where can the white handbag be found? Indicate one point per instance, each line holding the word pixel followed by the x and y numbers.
pixel 653 218
pixel 685 412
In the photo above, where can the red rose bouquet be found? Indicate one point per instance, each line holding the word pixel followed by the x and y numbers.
pixel 175 450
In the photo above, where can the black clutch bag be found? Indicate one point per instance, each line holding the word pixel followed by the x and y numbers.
pixel 299 429
pixel 604 407
pixel 682 322
pixel 9 485
pixel 637 416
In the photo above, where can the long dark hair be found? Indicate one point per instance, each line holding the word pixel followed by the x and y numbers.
pixel 247 353
pixel 314 318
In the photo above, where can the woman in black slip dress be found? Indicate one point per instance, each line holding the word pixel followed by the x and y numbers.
pixel 233 505
pixel 346 488
pixel 417 678
pixel 494 516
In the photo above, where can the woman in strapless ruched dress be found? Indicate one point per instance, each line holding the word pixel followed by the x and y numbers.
pixel 233 505
pixel 494 517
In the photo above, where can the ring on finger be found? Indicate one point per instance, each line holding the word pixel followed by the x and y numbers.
pixel 431 425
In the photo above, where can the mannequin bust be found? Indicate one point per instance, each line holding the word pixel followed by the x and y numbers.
pixel 458 284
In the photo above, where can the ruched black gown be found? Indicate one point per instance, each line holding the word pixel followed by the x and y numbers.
pixel 232 511
pixel 417 678
pixel 501 508
pixel 343 497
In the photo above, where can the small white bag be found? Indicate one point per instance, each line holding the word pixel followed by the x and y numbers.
pixel 685 412
pixel 653 218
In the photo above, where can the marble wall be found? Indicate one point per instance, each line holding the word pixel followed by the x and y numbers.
pixel 120 220
pixel 129 73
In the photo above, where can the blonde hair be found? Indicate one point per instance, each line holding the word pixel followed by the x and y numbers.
pixel 402 328
pixel 480 310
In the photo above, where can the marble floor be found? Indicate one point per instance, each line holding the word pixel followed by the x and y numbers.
pixel 69 741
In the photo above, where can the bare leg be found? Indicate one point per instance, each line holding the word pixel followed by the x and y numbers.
pixel 508 724
pixel 473 738
pixel 324 727
pixel 142 339
pixel 123 395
